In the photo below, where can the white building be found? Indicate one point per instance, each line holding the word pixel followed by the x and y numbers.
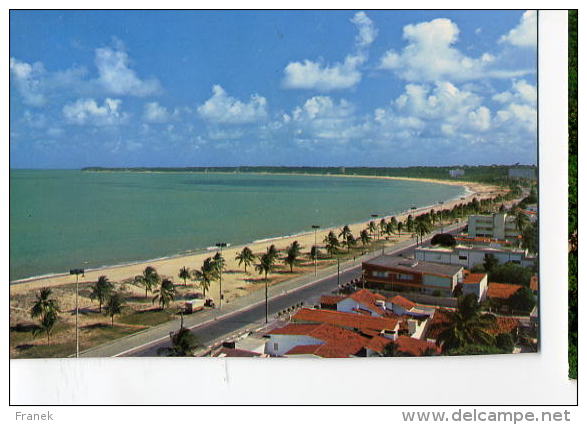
pixel 496 226
pixel 470 256
pixel 475 283
pixel 457 172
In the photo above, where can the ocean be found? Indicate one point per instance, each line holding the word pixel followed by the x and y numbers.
pixel 63 219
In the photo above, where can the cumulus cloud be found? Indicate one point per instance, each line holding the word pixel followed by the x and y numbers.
pixel 118 78
pixel 430 55
pixel 155 113
pixel 521 92
pixel 27 78
pixel 518 109
pixel 525 33
pixel 224 109
pixel 88 111
pixel 308 74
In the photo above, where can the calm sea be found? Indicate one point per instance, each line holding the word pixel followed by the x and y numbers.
pixel 64 219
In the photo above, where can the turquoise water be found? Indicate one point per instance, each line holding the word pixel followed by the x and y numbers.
pixel 64 219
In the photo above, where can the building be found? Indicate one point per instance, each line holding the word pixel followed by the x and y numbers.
pixel 476 284
pixel 496 226
pixel 528 173
pixel 470 256
pixel 457 172
pixel 393 273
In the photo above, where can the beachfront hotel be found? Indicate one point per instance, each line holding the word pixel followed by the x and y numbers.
pixel 393 273
pixel 470 256
pixel 495 226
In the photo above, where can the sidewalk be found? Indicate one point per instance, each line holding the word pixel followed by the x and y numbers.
pixel 157 333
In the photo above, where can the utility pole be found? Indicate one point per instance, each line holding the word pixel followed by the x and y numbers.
pixel 220 245
pixel 315 227
pixel 76 272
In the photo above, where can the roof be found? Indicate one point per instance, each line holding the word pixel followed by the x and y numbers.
pixel 413 346
pixel 331 299
pixel 504 325
pixel 473 278
pixel 534 283
pixel 345 320
pixel 502 290
pixel 480 239
pixel 435 326
pixel 338 342
pixel 403 302
pixel 411 265
pixel 368 299
pixel 235 352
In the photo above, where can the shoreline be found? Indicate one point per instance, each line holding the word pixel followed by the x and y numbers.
pixel 129 269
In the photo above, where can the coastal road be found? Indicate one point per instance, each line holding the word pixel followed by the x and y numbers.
pixel 254 316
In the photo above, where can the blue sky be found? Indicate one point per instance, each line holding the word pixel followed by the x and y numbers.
pixel 206 88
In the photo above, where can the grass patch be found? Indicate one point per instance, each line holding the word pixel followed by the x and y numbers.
pixel 146 317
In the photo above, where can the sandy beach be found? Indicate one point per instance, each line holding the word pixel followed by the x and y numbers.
pixel 234 279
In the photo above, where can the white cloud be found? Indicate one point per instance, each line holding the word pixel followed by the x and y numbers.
pixel 27 78
pixel 308 74
pixel 525 34
pixel 431 56
pixel 116 77
pixel 155 113
pixel 367 31
pixel 87 111
pixel 521 92
pixel 222 108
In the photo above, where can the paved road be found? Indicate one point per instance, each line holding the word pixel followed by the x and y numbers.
pixel 254 317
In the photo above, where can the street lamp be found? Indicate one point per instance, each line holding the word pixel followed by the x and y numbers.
pixel 76 272
pixel 221 245
pixel 315 227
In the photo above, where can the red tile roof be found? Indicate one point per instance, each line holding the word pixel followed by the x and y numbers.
pixel 435 326
pixel 345 320
pixel 502 290
pixel 504 325
pixel 368 299
pixel 331 299
pixel 534 283
pixel 413 346
pixel 473 278
pixel 403 302
pixel 378 343
pixel 338 342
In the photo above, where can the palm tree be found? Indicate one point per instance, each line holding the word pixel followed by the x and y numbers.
pixel 351 242
pixel 344 233
pixel 331 243
pixel 521 221
pixel 165 294
pixel 293 252
pixel 184 273
pixel 47 310
pixel 466 325
pixel 219 263
pixel 183 344
pixel 364 237
pixel 101 290
pixel 245 257
pixel 206 275
pixel 265 264
pixel 149 279
pixel 393 222
pixel 400 227
pixel 422 228
pixel 382 226
pixel 273 252
pixel 114 305
pixel 390 228
pixel 410 223
pixel 372 227
pixel 314 252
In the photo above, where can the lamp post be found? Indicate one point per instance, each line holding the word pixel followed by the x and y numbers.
pixel 220 245
pixel 315 227
pixel 76 272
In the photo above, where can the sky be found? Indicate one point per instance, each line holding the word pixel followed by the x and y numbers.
pixel 291 88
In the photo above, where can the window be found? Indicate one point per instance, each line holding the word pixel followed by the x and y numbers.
pixel 462 257
pixel 275 346
pixel 401 276
pixel 380 274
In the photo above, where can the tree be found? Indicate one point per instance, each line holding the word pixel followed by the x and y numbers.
pixel 184 273
pixel 165 294
pixel 265 265
pixel 314 252
pixel 149 279
pixel 393 223
pixel 344 234
pixel 218 262
pixel 293 252
pixel 530 238
pixel 245 257
pixel 364 237
pixel 46 310
pixel 331 243
pixel 521 221
pixel 390 228
pixel 490 262
pixel 511 273
pixel 443 239
pixel 114 305
pixel 410 223
pixel 466 325
pixel 422 228
pixel 400 227
pixel 372 227
pixel 382 226
pixel 273 252
pixel 101 290
pixel 183 344
pixel 522 300
pixel 505 342
pixel 351 242
pixel 207 274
